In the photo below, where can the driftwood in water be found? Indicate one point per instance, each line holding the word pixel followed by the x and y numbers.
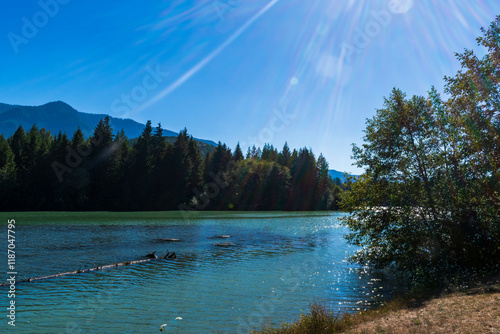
pixel 224 244
pixel 222 236
pixel 80 271
pixel 170 256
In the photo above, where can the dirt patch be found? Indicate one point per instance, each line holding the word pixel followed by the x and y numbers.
pixel 457 313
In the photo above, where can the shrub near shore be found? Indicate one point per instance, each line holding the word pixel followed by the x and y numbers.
pixel 442 157
pixel 471 310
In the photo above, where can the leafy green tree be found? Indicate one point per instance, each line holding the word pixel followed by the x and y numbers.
pixel 428 203
pixel 393 226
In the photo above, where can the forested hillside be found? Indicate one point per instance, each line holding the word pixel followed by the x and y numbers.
pixel 40 171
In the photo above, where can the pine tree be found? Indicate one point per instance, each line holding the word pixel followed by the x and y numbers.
pixel 159 145
pixel 7 175
pixel 238 154
pixel 78 139
pixel 18 144
pixel 285 157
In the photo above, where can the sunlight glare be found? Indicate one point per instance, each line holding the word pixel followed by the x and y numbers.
pixel 400 6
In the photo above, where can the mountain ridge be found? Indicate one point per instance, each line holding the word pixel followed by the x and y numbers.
pixel 335 173
pixel 59 116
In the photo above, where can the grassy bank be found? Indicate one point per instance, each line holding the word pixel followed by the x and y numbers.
pixel 472 310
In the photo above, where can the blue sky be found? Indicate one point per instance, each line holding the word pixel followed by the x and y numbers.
pixel 306 72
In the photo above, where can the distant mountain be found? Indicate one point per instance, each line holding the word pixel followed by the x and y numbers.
pixel 335 173
pixel 5 107
pixel 59 116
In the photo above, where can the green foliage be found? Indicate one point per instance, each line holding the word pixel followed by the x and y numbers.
pixel 285 157
pixel 238 154
pixel 428 202
pixel 7 168
pixel 321 319
pixel 39 171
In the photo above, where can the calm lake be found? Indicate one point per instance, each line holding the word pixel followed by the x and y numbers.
pixel 268 270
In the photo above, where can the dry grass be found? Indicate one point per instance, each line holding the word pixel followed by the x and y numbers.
pixel 456 313
pixel 473 311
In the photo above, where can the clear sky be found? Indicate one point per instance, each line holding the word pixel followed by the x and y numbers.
pixel 253 71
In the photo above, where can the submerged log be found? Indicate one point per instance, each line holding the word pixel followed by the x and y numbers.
pixel 171 240
pixel 97 268
pixel 224 244
pixel 152 255
pixel 170 256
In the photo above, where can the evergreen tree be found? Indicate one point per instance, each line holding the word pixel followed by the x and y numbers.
pixel 100 164
pixel 269 153
pixel 285 156
pixel 159 145
pixel 323 195
pixel 18 144
pixel 103 135
pixel 104 173
pixel 196 177
pixel 141 169
pixel 77 140
pixel 182 169
pixel 7 175
pixel 238 154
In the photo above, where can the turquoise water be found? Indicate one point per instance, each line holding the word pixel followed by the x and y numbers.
pixel 275 265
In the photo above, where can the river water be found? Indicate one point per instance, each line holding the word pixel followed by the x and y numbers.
pixel 267 270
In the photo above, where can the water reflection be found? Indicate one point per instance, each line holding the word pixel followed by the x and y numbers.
pixel 276 265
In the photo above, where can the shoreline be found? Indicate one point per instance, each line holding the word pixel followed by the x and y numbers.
pixel 472 310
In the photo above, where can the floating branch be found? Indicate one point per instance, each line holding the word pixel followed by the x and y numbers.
pixel 96 268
